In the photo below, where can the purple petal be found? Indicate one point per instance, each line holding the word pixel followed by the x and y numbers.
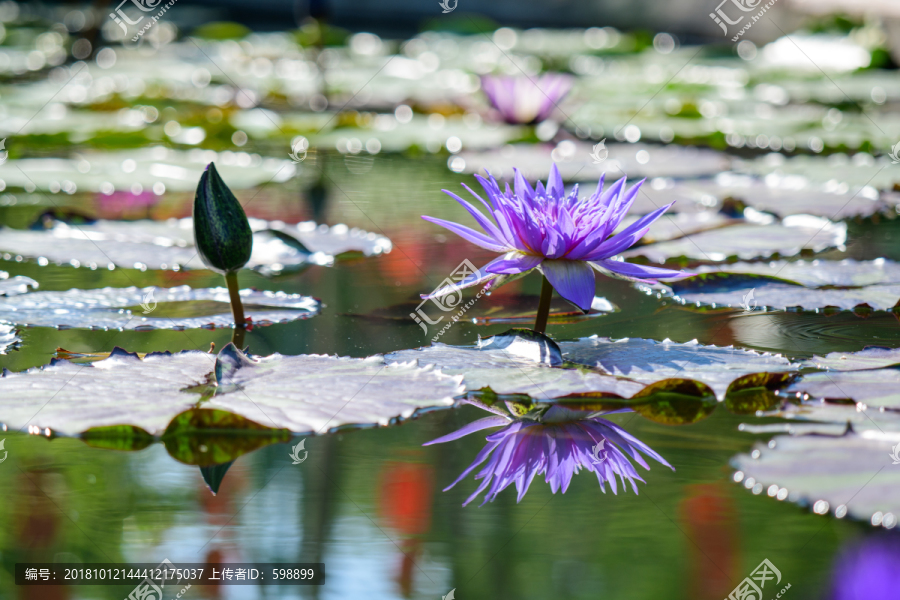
pixel 478 425
pixel 642 273
pixel 516 264
pixel 555 183
pixel 572 279
pixel 480 276
pixel 479 239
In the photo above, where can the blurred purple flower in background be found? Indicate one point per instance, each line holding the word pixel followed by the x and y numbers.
pixel 567 238
pixel 523 99
pixel 868 570
pixel 559 444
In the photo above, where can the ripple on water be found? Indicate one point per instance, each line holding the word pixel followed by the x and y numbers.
pixel 804 334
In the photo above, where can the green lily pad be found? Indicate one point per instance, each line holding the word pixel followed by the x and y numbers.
pixel 15 285
pixel 385 134
pixel 575 162
pixel 9 339
pixel 746 241
pixel 151 308
pixel 872 387
pixel 819 170
pixel 303 394
pixel 787 195
pixel 868 358
pixel 811 285
pixel 159 245
pixel 850 474
pixel 515 369
pixel 177 170
pixel 649 361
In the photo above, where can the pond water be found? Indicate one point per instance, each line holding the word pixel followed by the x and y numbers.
pixel 766 163
pixel 368 503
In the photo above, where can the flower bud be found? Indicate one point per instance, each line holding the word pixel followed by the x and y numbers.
pixel 221 230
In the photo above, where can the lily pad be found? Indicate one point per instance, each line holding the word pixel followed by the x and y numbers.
pixel 317 393
pixel 8 338
pixel 575 162
pixel 649 361
pixel 781 284
pixel 72 398
pixel 307 393
pixel 158 245
pixel 176 170
pixel 386 134
pixel 786 195
pixel 873 387
pixel 850 474
pixel 746 241
pixel 510 370
pixel 151 308
pixel 860 170
pixel 16 285
pixel 868 358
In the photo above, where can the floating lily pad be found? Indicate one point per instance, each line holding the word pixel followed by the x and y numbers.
pixel 816 273
pixel 786 195
pixel 869 358
pixel 15 285
pixel 386 134
pixel 316 393
pixel 169 245
pixel 649 361
pixel 850 474
pixel 520 308
pixel 780 284
pixel 670 227
pixel 860 170
pixel 873 387
pixel 151 308
pixel 575 162
pixel 8 338
pixel 507 370
pixel 307 393
pixel 177 170
pixel 121 390
pixel 793 234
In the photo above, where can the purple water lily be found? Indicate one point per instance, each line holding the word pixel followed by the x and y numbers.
pixel 524 100
pixel 565 237
pixel 559 444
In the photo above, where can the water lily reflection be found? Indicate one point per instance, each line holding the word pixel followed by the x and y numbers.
pixel 867 570
pixel 556 442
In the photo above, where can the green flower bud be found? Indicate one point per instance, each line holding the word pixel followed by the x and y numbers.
pixel 221 230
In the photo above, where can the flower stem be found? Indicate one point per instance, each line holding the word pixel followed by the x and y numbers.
pixel 237 308
pixel 540 323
